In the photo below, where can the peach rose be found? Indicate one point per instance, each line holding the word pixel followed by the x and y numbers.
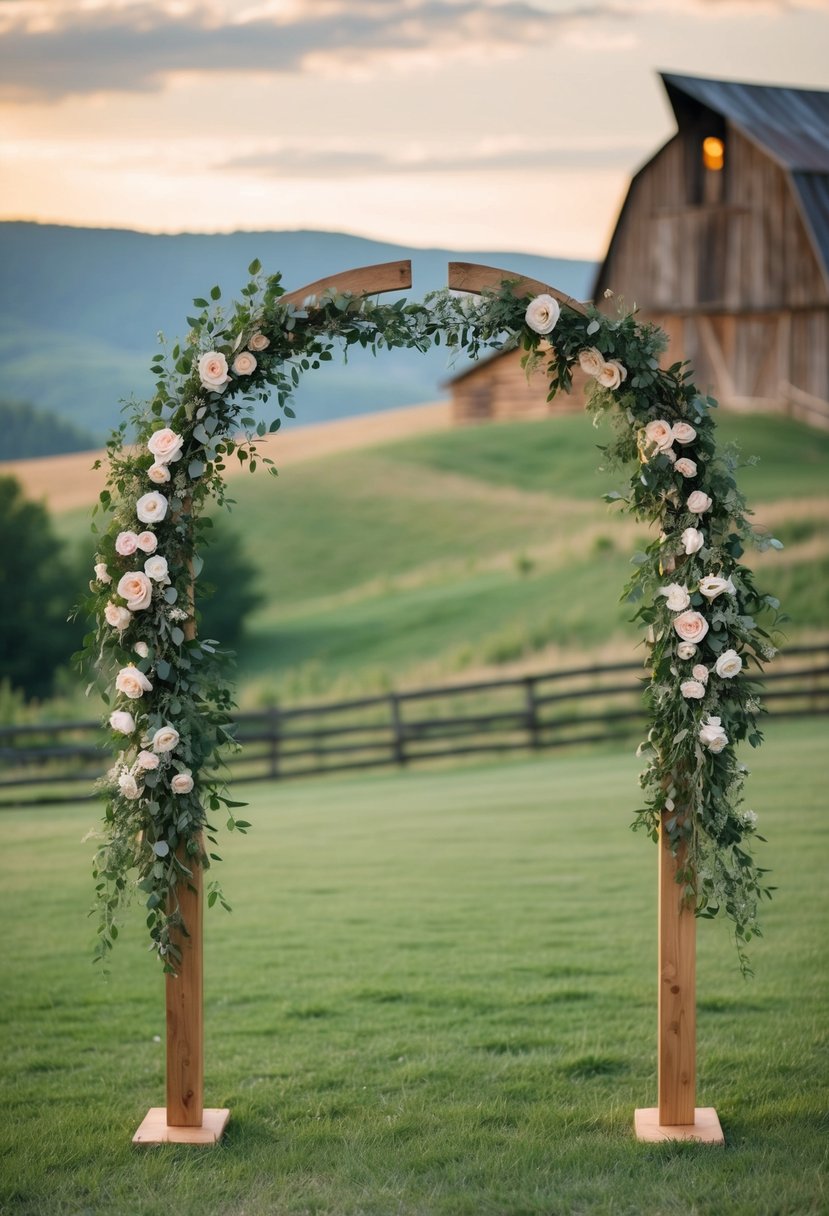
pixel 691 626
pixel 126 543
pixel 692 690
pixel 612 374
pixel 591 360
pixel 159 474
pixel 117 617
pixel 698 503
pixel 165 445
pixel 244 364
pixel 156 569
pixel 122 721
pixel 132 682
pixel 686 467
pixel 165 739
pixel 147 760
pixel 684 433
pixel 700 672
pixel 142 649
pixel 258 342
pixel 147 542
pixel 658 434
pixel 182 783
pixel 728 665
pixel 136 589
pixel 542 314
pixel 712 735
pixel 212 368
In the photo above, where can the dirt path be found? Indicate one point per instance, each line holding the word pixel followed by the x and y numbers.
pixel 65 483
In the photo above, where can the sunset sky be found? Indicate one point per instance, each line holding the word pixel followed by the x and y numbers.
pixel 500 124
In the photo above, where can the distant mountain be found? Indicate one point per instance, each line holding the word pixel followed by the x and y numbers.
pixel 80 309
pixel 26 432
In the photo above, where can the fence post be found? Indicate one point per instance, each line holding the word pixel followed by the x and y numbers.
pixel 533 724
pixel 398 744
pixel 273 737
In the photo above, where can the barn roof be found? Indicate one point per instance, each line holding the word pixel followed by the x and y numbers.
pixel 791 125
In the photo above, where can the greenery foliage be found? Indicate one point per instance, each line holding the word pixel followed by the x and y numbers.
pixel 698 603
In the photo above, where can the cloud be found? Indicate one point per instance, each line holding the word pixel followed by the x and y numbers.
pixel 309 162
pixel 56 49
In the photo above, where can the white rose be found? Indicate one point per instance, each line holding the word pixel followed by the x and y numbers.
pixel 156 569
pixel 182 783
pixel 213 371
pixel 712 735
pixel 542 314
pixel 128 785
pixel 136 589
pixel 142 649
pixel 159 474
pixel 151 508
pixel 132 682
pixel 728 665
pixel 147 542
pixel 692 540
pixel 165 739
pixel 748 820
pixel 686 467
pixel 699 503
pixel 684 433
pixel 692 690
pixel 126 543
pixel 690 626
pixel 117 617
pixel 147 760
pixel 700 672
pixel 676 596
pixel 686 650
pixel 122 721
pixel 165 445
pixel 258 342
pixel 591 360
pixel 244 364
pixel 711 586
pixel 102 574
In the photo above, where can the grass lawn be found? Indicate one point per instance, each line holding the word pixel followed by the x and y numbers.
pixel 436 995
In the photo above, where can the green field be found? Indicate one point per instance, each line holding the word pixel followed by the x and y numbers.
pixel 468 549
pixel 436 995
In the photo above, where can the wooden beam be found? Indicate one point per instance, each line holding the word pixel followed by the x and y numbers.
pixel 362 281
pixel 476 279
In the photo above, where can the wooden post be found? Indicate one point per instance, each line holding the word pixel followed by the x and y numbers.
pixel 676 1117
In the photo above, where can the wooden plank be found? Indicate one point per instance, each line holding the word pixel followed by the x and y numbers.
pixel 677 994
pixel 705 1126
pixel 362 281
pixel 156 1130
pixel 476 279
pixel 185 1020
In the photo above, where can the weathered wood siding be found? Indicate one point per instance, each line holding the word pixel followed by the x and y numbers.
pixel 498 389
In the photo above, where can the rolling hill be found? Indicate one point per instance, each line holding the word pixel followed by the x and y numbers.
pixel 80 310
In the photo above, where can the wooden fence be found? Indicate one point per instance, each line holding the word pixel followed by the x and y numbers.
pixel 60 761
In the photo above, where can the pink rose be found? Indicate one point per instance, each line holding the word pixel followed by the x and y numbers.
pixel 136 589
pixel 698 503
pixel 683 433
pixel 117 617
pixel 126 543
pixel 692 690
pixel 612 374
pixel 258 342
pixel 686 467
pixel 244 364
pixel 700 672
pixel 658 434
pixel 165 445
pixel 159 474
pixel 156 569
pixel 132 683
pixel 147 542
pixel 147 760
pixel 691 626
pixel 182 783
pixel 213 374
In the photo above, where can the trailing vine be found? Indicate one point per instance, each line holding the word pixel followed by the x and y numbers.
pixel 169 698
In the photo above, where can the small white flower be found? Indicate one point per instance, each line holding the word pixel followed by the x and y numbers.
pixel 700 672
pixel 542 314
pixel 728 665
pixel 128 785
pixel 102 574
pixel 147 760
pixel 676 596
pixel 712 735
pixel 122 722
pixel 686 650
pixel 156 569
pixel 712 585
pixel 748 820
pixel 117 617
pixel 142 649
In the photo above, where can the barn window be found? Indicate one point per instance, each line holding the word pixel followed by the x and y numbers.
pixel 713 153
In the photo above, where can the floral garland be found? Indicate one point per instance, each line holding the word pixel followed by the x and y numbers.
pixel 171 701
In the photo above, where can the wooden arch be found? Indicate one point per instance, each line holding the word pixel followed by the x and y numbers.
pixel 185 1120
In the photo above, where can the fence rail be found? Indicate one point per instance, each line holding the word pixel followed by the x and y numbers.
pixel 49 762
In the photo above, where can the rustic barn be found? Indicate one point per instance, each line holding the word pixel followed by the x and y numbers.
pixel 723 240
